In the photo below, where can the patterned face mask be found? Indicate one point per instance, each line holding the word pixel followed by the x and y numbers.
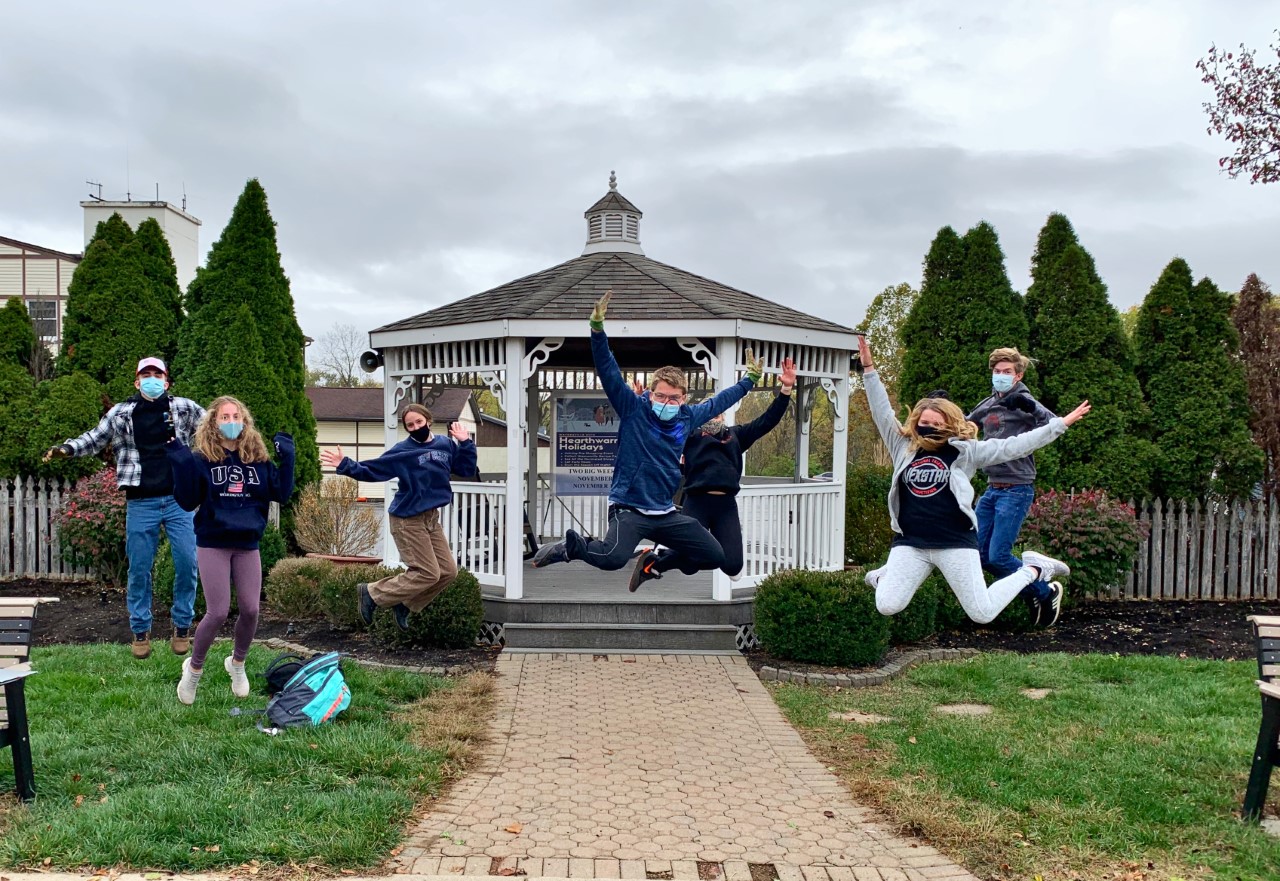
pixel 715 428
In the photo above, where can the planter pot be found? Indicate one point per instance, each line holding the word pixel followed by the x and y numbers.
pixel 339 560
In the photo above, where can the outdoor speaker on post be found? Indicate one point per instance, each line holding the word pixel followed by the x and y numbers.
pixel 370 361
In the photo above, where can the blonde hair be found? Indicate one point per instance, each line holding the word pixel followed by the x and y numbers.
pixel 672 376
pixel 1019 361
pixel 954 425
pixel 208 439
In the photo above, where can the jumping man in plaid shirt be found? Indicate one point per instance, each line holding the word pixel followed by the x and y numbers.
pixel 138 430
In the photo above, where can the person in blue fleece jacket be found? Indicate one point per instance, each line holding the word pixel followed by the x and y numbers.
pixel 652 430
pixel 422 463
pixel 229 480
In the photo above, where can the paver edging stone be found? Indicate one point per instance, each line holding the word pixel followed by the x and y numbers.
pixel 878 676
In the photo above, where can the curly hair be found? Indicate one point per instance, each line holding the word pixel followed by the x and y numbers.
pixel 672 376
pixel 953 417
pixel 208 439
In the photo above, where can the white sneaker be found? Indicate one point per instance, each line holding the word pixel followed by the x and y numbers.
pixel 1050 568
pixel 736 578
pixel 239 681
pixel 873 577
pixel 189 682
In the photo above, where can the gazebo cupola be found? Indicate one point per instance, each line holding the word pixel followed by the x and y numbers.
pixel 613 223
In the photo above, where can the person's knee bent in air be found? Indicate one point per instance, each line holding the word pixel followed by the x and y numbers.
pixel 931 511
pixel 652 429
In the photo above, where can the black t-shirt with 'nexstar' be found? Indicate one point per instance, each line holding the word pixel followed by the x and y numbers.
pixel 928 513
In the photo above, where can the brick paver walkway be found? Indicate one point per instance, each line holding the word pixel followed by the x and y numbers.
pixel 645 766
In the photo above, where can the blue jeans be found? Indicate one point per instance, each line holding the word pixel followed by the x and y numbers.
pixel 1000 514
pixel 143 519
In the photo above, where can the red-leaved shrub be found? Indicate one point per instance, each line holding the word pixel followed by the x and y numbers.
pixel 1094 534
pixel 91 527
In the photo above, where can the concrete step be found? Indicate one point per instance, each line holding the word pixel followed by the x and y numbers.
pixel 631 611
pixel 621 637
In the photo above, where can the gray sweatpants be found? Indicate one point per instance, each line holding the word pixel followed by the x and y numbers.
pixel 908 567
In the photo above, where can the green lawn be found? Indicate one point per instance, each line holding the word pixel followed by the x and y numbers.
pixel 128 776
pixel 1128 761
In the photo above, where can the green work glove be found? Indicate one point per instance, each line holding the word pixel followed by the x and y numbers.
pixel 755 367
pixel 597 314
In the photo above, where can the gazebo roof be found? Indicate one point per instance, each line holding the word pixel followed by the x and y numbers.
pixel 643 289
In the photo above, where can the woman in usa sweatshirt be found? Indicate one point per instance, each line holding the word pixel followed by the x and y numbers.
pixel 229 480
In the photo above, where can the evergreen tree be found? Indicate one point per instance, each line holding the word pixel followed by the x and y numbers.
pixel 1184 348
pixel 64 407
pixel 114 316
pixel 1083 354
pixel 162 272
pixel 17 394
pixel 1257 320
pixel 244 269
pixel 17 334
pixel 966 308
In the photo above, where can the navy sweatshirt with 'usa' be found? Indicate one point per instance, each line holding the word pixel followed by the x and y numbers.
pixel 233 497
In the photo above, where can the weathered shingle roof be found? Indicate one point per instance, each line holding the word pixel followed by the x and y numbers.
pixel 642 289
pixel 612 201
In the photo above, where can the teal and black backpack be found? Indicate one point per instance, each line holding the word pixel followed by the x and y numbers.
pixel 313 695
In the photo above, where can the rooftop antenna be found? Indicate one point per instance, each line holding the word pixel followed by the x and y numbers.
pixel 94 183
pixel 157 191
pixel 184 195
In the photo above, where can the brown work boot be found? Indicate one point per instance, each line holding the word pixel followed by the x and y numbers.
pixel 180 642
pixel 141 647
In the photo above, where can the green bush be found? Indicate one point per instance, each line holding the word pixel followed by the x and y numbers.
pixel 820 618
pixel 950 613
pixel 294 586
pixel 867 534
pixel 65 407
pixel 338 593
pixel 919 620
pixel 452 621
pixel 17 407
pixel 1097 536
pixel 272 549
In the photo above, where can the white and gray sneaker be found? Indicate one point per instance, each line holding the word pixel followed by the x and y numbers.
pixel 1050 568
pixel 189 682
pixel 239 681
pixel 1050 608
pixel 873 577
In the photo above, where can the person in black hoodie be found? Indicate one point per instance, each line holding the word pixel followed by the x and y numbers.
pixel 712 478
pixel 230 481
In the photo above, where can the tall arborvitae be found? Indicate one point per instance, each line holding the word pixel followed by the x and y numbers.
pixel 17 334
pixel 1257 320
pixel 1083 354
pixel 1184 354
pixel 966 308
pixel 162 272
pixel 244 269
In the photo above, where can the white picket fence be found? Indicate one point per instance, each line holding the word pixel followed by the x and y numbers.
pixel 28 532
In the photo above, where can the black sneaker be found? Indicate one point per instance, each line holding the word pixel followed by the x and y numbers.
pixel 558 552
pixel 643 571
pixel 1050 606
pixel 366 604
pixel 1035 606
pixel 401 612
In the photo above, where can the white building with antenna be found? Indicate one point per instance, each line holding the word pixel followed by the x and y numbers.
pixel 180 228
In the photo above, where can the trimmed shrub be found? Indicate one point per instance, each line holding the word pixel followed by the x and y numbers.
pixel 820 618
pixel 1097 536
pixel 867 534
pixel 338 593
pixel 272 549
pixel 919 620
pixel 91 527
pixel 294 586
pixel 452 621
pixel 950 614
pixel 64 407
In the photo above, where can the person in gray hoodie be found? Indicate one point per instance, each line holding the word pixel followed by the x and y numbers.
pixel 1011 486
pixel 935 456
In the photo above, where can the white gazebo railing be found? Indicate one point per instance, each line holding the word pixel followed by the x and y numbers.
pixel 474 524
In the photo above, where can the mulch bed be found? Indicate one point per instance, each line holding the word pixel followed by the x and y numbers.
pixel 88 613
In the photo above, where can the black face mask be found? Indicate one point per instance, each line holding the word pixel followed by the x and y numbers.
pixel 421 434
pixel 928 431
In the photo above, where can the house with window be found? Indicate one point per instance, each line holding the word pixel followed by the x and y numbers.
pixel 38 276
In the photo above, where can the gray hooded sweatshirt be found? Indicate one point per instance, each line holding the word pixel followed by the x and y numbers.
pixel 998 421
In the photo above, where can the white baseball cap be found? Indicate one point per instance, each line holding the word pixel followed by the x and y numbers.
pixel 152 362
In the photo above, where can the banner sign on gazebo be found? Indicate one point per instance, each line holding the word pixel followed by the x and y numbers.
pixel 584 443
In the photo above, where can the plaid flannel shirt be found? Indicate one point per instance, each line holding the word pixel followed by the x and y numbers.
pixel 116 428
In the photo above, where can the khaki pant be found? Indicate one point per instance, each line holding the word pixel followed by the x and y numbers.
pixel 425 550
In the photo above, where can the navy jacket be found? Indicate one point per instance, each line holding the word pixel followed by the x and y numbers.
pixel 423 470
pixel 714 464
pixel 233 498
pixel 646 472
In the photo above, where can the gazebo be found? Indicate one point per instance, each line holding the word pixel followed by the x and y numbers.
pixel 528 340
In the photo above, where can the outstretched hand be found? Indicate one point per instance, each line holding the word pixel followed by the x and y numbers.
pixel 1077 414
pixel 459 432
pixel 331 458
pixel 61 451
pixel 638 387
pixel 787 377
pixel 597 314
pixel 864 351
pixel 755 366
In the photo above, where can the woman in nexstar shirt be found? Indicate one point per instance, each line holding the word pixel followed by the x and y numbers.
pixel 230 477
pixel 931 503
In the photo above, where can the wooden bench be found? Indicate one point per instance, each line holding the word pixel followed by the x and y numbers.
pixel 1266 755
pixel 16 617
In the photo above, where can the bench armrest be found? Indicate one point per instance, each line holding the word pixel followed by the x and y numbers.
pixel 1269 689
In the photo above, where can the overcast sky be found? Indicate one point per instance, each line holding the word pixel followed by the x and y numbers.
pixel 807 152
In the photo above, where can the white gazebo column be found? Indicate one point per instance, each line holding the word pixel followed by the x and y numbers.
pixel 532 421
pixel 513 527
pixel 393 391
pixel 724 370
pixel 804 409
pixel 838 390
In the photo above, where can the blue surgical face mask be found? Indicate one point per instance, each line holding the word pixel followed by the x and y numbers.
pixel 231 430
pixel 664 411
pixel 1001 382
pixel 151 387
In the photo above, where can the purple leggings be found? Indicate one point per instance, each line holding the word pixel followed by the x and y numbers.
pixel 218 568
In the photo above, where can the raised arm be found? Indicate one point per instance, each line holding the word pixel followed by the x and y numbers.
pixel 189 487
pixel 624 400
pixel 464 459
pixel 726 398
pixel 764 423
pixel 281 476
pixel 878 401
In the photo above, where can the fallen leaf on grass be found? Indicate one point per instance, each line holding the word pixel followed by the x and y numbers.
pixel 313 746
pixel 348 871
pixel 213 848
pixel 103 800
pixel 47 861
pixel 514 828
pixel 911 740
pixel 79 800
pixel 830 815
pixel 75 778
